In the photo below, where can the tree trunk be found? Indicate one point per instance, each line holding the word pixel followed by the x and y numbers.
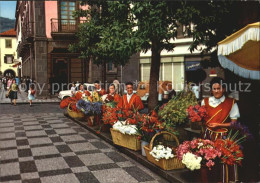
pixel 154 76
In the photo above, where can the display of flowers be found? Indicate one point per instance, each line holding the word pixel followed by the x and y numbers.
pixel 231 152
pixel 196 113
pixel 125 128
pixel 191 161
pixel 160 152
pixel 205 149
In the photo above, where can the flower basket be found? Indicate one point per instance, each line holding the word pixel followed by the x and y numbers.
pixel 74 114
pixel 125 140
pixel 196 125
pixel 165 164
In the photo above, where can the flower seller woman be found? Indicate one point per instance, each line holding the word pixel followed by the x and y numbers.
pixel 221 110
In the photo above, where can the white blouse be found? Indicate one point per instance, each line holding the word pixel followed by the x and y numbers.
pixel 213 102
pixel 129 97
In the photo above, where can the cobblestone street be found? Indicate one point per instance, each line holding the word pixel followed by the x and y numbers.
pixel 39 144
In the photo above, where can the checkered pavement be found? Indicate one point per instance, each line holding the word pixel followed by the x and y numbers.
pixel 50 148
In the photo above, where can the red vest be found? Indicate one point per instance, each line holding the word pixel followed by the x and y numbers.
pixel 220 113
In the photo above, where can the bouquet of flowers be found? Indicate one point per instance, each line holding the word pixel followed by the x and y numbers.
pixel 94 97
pixel 148 126
pixel 198 152
pixel 125 128
pixel 196 113
pixel 107 98
pixel 231 152
pixel 161 151
pixel 110 115
pixel 89 108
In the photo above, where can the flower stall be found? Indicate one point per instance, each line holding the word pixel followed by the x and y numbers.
pixel 157 131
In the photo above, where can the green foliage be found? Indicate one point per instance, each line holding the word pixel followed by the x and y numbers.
pixel 175 112
pixel 213 21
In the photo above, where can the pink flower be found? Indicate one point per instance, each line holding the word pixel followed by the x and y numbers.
pixel 210 164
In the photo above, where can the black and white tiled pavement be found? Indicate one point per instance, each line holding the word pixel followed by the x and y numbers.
pixel 48 147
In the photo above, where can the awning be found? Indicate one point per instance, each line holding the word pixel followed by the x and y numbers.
pixel 240 52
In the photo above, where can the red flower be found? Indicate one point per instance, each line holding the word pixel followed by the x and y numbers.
pixel 196 113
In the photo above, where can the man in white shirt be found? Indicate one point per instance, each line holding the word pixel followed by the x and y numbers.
pixel 130 101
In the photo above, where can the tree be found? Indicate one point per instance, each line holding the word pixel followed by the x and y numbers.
pixel 117 29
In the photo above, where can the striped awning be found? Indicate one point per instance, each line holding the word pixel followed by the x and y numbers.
pixel 240 52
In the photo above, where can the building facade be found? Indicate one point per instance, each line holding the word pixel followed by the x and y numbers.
pixel 45 29
pixel 8 56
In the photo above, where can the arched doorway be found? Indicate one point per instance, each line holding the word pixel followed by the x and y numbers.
pixel 9 73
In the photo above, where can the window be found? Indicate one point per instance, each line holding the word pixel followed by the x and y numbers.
pixel 111 67
pixel 9 59
pixel 8 43
pixel 66 10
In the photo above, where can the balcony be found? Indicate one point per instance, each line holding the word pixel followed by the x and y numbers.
pixel 64 28
pixel 27 31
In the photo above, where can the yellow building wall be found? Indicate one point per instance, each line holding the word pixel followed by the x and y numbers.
pixel 4 51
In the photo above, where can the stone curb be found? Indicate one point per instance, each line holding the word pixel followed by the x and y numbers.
pixel 171 176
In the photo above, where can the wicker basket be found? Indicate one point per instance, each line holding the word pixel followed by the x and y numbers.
pixel 74 114
pixel 125 140
pixel 166 164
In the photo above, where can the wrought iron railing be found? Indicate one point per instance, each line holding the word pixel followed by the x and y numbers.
pixel 27 31
pixel 64 25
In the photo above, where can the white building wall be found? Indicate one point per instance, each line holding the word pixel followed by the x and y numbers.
pixel 10 51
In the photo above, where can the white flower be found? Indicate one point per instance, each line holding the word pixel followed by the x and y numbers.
pixel 160 152
pixel 200 144
pixel 124 128
pixel 191 161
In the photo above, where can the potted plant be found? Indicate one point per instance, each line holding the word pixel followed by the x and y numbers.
pixel 148 126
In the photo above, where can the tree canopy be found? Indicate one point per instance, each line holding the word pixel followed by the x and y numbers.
pixel 115 30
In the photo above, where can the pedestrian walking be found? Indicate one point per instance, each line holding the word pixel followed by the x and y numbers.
pixel 27 82
pixel 31 93
pixel 4 82
pixel 9 82
pixel 13 92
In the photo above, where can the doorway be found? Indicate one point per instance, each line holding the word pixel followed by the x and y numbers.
pixel 60 74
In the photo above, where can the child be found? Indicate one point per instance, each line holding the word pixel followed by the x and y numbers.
pixel 31 94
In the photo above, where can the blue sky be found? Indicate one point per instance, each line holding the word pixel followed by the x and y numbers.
pixel 7 9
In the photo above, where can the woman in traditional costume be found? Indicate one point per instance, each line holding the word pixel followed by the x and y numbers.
pixel 222 111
